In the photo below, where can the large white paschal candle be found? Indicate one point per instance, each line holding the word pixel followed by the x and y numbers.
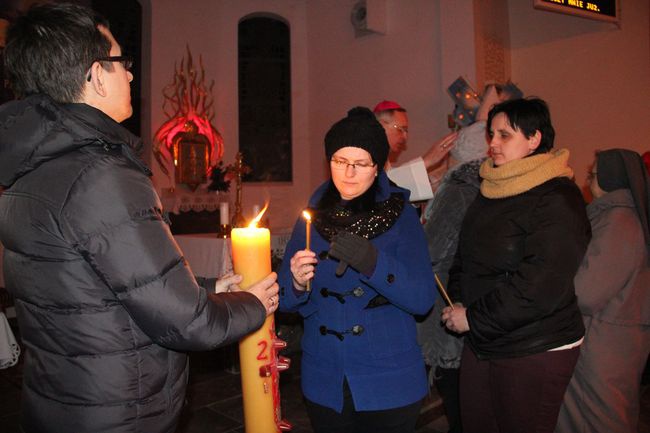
pixel 259 362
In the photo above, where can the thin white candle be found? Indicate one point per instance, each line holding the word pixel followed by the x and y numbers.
pixel 223 213
pixel 307 216
pixel 443 291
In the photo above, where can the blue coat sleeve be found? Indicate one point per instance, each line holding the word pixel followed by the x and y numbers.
pixel 403 273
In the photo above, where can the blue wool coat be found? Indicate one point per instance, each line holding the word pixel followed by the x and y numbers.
pixel 383 363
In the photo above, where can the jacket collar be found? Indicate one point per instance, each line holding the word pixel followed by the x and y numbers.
pixel 36 129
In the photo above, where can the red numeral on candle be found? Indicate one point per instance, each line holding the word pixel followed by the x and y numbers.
pixel 262 355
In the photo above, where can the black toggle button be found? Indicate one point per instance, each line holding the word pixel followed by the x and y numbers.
pixel 325 292
pixel 324 331
pixel 390 278
pixel 355 330
pixel 356 292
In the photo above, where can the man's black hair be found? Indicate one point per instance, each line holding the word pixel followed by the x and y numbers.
pixel 51 48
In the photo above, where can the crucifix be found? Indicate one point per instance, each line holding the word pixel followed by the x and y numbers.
pixel 238 170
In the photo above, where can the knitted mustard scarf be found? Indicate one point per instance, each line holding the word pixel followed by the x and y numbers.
pixel 521 175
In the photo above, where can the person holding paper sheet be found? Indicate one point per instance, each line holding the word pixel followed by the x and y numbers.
pixel 521 243
pixel 411 175
pixel 362 368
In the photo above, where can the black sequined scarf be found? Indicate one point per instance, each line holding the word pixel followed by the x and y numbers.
pixel 367 223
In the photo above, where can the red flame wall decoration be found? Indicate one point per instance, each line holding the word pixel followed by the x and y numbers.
pixel 187 100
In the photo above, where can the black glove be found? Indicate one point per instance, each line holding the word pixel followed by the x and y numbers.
pixel 355 251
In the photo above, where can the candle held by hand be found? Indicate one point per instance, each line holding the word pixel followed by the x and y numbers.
pixel 307 216
pixel 259 363
pixel 443 291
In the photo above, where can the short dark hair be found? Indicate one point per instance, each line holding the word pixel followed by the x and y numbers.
pixel 50 49
pixel 527 115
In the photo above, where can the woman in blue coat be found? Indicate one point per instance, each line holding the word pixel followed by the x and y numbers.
pixel 370 272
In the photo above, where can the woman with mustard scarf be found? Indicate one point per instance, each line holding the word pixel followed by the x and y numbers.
pixel 521 243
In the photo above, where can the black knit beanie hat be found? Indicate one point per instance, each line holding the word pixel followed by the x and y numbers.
pixel 624 169
pixel 359 129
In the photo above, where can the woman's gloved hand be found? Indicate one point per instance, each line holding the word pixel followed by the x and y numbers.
pixel 355 251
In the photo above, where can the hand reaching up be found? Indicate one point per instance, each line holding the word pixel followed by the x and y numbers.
pixel 439 150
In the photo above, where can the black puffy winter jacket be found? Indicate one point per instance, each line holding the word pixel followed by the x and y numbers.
pixel 514 268
pixel 106 304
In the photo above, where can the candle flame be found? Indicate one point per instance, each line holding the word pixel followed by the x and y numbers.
pixel 306 215
pixel 257 219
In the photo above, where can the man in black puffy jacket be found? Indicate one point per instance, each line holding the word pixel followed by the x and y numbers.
pixel 106 303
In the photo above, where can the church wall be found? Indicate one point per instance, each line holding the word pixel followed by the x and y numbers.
pixel 594 75
pixel 209 28
pixel 427 44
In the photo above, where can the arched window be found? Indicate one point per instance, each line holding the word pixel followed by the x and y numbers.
pixel 265 98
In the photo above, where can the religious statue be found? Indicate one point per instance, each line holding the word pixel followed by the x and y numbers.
pixel 191 151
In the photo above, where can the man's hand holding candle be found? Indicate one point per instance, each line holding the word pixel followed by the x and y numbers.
pixel 303 266
pixel 266 291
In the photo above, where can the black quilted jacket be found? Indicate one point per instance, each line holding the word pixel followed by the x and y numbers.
pixel 106 304
pixel 514 268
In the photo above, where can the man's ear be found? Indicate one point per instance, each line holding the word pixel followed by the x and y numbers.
pixel 96 82
pixel 534 140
